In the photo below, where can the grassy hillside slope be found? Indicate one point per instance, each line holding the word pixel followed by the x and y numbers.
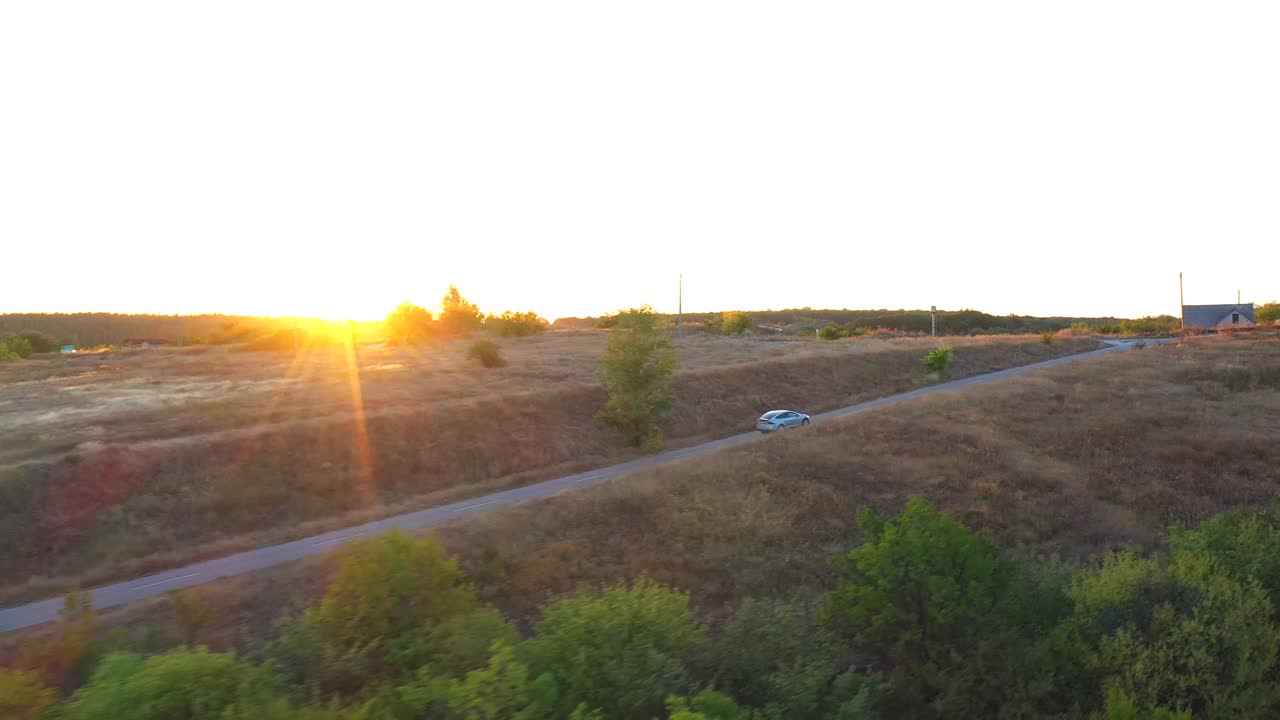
pixel 239 466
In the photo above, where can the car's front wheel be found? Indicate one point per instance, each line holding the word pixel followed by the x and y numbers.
pixel 804 422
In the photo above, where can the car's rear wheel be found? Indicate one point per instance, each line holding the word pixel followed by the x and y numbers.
pixel 804 421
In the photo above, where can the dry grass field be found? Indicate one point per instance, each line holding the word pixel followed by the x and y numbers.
pixel 1065 462
pixel 116 464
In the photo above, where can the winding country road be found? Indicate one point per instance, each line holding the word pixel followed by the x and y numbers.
pixel 120 593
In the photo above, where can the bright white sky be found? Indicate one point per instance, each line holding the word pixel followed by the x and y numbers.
pixel 332 159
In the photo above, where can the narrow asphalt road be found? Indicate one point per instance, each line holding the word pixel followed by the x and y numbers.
pixel 120 593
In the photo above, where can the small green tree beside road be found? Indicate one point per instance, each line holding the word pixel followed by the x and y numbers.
pixel 937 361
pixel 638 366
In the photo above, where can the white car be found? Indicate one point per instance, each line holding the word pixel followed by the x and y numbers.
pixel 781 420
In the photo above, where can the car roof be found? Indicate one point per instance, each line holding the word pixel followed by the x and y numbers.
pixel 775 413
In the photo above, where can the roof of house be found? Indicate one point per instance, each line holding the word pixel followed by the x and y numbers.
pixel 1211 315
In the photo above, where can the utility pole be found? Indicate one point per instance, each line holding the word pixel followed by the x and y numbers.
pixel 680 310
pixel 1182 303
pixel 933 320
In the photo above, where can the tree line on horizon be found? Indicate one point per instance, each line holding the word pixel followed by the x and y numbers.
pixel 807 322
pixel 407 324
pixel 411 323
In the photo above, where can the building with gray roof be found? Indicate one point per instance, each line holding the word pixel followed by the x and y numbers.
pixel 1217 316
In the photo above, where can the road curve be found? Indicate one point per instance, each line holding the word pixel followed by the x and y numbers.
pixel 22 616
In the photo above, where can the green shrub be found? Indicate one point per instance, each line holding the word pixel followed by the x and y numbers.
pixel 516 324
pixel 937 361
pixel 1267 313
pixel 1151 325
pixel 831 332
pixel 637 369
pixel 40 342
pixel 706 705
pixel 7 355
pixel 735 323
pixel 180 685
pixel 771 655
pixel 408 324
pixel 382 616
pixel 19 346
pixel 458 316
pixel 1180 633
pixel 621 650
pixel 1046 337
pixel 487 353
pixel 957 626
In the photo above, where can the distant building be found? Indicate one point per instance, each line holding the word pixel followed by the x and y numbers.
pixel 144 342
pixel 1217 316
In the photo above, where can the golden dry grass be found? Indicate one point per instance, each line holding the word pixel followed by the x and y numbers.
pixel 199 452
pixel 1069 461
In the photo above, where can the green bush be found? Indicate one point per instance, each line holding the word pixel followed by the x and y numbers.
pixel 180 685
pixel 831 332
pixel 15 345
pixel 937 361
pixel 1178 632
pixel 771 655
pixel 706 705
pixel 40 342
pixel 516 324
pixel 735 323
pixel 1046 337
pixel 408 324
pixel 458 316
pixel 1244 545
pixel 1151 325
pixel 622 650
pixel 957 626
pixel 637 369
pixel 487 353
pixel 384 616
pixel 1267 313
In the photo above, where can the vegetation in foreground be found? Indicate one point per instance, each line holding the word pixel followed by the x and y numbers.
pixel 926 619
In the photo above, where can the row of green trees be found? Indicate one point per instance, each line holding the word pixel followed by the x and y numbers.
pixel 925 619
pixel 806 321
pixel 1150 325
pixel 410 324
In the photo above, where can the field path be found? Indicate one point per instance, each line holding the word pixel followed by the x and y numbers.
pixel 108 596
